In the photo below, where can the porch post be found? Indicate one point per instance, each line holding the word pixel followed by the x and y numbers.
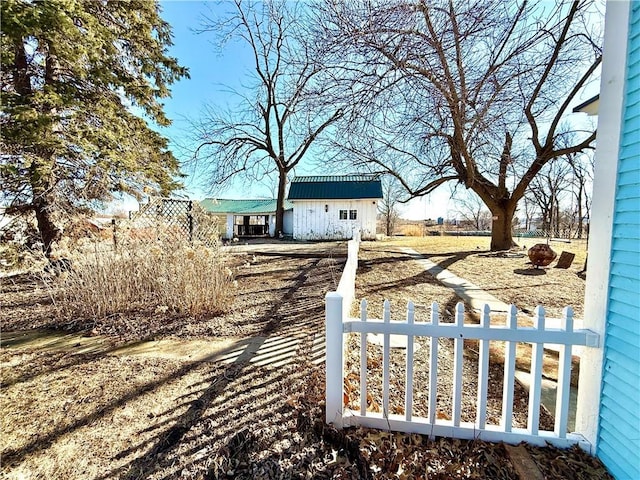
pixel 334 359
pixel 601 228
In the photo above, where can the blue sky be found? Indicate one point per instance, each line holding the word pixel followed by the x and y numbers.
pixel 213 73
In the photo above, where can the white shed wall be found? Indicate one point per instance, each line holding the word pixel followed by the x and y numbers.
pixel 288 222
pixel 229 226
pixel 320 219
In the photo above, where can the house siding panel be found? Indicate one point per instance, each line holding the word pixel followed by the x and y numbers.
pixel 625 243
pixel 629 204
pixel 620 304
pixel 625 376
pixel 624 271
pixel 320 219
pixel 627 220
pixel 609 454
pixel 618 440
pixel 619 344
pixel 625 432
pixel 628 179
pixel 629 258
pixel 628 191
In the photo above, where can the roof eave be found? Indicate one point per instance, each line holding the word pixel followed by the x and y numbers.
pixel 590 107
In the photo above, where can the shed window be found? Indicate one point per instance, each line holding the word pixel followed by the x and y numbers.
pixel 353 214
pixel 343 214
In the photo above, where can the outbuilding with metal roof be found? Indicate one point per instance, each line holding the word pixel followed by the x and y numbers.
pixel 332 207
pixel 249 218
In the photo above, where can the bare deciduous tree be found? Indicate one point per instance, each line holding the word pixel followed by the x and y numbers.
pixel 547 190
pixel 281 114
pixel 470 92
pixel 582 167
pixel 472 210
pixel 392 196
pixel 561 193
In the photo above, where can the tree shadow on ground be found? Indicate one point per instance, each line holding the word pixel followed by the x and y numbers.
pixel 450 257
pixel 233 397
pixel 530 271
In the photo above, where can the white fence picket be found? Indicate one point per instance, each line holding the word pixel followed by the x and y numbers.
pixel 433 367
pixel 458 347
pixel 537 351
pixel 408 384
pixel 386 354
pixel 509 373
pixel 363 361
pixel 483 372
pixel 564 378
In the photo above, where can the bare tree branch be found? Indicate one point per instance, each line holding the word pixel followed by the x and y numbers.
pixel 472 92
pixel 282 117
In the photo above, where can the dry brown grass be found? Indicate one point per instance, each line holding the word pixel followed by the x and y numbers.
pixel 100 416
pixel 387 273
pixel 452 243
pixel 86 416
pixel 509 279
pixel 412 230
pixel 161 276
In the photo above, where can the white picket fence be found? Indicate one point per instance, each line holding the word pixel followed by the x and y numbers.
pixel 338 324
pixel 347 285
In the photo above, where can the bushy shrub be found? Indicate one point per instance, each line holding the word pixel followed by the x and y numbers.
pixel 161 276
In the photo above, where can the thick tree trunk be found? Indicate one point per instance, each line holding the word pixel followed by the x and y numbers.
pixel 501 234
pixel 282 183
pixel 44 204
pixel 49 231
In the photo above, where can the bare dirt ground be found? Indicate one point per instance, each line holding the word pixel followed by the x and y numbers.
pixel 96 415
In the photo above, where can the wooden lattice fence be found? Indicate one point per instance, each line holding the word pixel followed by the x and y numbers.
pixel 171 219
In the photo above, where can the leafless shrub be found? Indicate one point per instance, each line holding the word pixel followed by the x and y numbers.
pixel 165 276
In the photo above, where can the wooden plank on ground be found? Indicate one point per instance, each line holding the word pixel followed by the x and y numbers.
pixel 522 462
pixel 565 260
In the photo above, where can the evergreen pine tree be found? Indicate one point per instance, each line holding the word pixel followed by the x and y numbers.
pixel 80 80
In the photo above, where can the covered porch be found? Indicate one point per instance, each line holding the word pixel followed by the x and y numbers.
pixel 249 218
pixel 251 225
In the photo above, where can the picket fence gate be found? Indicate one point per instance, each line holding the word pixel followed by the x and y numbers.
pixel 338 324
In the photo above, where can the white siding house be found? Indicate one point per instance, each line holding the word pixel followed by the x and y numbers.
pixel 332 207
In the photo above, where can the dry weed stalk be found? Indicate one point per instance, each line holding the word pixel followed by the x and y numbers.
pixel 166 275
pixel 413 230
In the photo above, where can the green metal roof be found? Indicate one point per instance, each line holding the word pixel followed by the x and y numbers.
pixel 335 187
pixel 247 207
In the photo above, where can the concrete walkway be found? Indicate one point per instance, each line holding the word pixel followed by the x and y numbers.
pixel 472 294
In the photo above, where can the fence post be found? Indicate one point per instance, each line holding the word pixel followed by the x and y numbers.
pixel 190 220
pixel 334 383
pixel 115 235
